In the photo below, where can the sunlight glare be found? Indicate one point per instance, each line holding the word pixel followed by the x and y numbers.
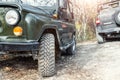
pixel 91 1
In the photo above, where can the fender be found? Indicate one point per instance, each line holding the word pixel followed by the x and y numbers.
pixel 37 25
pixel 53 27
pixel 30 24
pixel 34 25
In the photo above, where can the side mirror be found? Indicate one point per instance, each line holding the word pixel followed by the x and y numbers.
pixel 63 4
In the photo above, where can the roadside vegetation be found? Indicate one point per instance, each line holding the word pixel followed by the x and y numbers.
pixel 85 18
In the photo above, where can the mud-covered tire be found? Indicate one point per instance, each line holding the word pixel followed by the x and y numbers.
pixel 72 49
pixel 100 39
pixel 46 56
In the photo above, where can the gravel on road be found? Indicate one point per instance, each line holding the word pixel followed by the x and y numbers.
pixel 91 62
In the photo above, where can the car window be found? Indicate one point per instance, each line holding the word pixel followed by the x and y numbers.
pixel 108 5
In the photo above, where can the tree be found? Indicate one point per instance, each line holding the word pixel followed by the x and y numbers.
pixel 85 14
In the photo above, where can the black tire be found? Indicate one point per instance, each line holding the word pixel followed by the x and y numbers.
pixel 72 49
pixel 46 56
pixel 100 39
pixel 117 17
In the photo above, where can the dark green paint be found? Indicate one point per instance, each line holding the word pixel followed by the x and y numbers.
pixel 34 22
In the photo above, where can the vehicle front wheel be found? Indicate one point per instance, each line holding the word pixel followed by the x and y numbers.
pixel 46 56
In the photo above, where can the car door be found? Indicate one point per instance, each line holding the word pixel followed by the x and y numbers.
pixel 67 22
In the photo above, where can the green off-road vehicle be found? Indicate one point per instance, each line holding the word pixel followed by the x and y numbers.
pixel 38 28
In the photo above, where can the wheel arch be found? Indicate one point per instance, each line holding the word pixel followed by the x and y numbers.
pixel 53 30
pixel 50 30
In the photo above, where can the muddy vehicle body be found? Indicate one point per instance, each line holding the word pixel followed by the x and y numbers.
pixel 41 29
pixel 108 21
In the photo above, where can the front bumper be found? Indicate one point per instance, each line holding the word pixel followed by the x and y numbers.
pixel 12 47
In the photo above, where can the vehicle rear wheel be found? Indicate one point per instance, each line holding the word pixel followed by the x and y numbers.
pixel 100 39
pixel 72 49
pixel 46 56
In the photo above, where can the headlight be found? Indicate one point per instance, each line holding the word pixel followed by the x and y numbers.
pixel 12 17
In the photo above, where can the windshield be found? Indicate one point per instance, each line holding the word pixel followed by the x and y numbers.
pixel 40 2
pixel 48 3
pixel 8 0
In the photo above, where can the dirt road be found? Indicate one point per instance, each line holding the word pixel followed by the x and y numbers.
pixel 91 62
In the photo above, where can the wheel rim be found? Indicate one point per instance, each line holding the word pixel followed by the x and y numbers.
pixel 74 47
